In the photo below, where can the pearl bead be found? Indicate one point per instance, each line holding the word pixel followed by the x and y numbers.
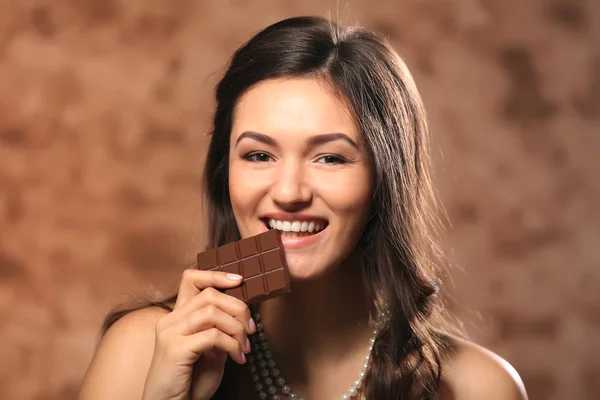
pixel 259 327
pixel 345 397
pixel 265 346
pixel 255 377
pixel 272 389
pixel 261 335
pixel 262 363
pixel 280 381
pixel 358 383
pixel 275 397
pixel 286 389
pixel 262 395
pixel 293 396
pixel 250 358
pixel 259 355
pixel 252 368
pixel 353 392
pixel 259 386
pixel 264 372
pixel 275 372
pixel 271 363
pixel 268 354
pixel 268 381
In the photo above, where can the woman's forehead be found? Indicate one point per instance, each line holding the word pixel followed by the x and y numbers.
pixel 293 106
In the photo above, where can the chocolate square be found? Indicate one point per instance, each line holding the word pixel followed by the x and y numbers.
pixel 233 268
pixel 235 292
pixel 269 240
pixel 227 253
pixel 276 280
pixel 251 267
pixel 248 247
pixel 272 260
pixel 207 260
pixel 255 287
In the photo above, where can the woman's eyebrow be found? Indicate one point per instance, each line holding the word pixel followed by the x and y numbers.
pixel 259 137
pixel 311 141
pixel 329 137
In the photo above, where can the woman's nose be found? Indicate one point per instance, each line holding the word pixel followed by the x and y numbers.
pixel 289 187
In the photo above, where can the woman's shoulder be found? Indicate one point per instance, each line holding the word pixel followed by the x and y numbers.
pixel 132 321
pixel 133 329
pixel 123 355
pixel 471 372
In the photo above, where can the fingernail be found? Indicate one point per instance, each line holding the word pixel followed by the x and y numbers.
pixel 234 277
pixel 244 357
pixel 252 325
pixel 248 349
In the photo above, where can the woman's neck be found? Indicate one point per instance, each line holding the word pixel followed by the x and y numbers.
pixel 320 329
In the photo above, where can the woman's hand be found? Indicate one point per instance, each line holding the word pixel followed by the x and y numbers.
pixel 193 341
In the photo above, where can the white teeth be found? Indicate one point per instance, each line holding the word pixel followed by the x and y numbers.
pixel 296 226
pixel 304 226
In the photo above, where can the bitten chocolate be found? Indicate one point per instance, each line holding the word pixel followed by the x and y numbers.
pixel 259 259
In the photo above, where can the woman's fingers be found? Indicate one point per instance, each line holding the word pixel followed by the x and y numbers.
pixel 209 317
pixel 193 281
pixel 206 318
pixel 229 304
pixel 214 339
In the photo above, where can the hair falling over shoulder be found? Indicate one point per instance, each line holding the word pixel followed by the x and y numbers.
pixel 399 243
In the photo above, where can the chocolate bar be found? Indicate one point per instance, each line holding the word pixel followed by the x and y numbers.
pixel 259 259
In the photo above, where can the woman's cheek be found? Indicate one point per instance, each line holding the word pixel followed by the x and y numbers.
pixel 347 191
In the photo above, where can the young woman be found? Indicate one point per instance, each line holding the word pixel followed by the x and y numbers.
pixel 319 132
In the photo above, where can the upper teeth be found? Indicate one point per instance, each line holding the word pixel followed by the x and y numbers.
pixel 296 226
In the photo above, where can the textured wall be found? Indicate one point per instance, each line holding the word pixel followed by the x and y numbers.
pixel 103 109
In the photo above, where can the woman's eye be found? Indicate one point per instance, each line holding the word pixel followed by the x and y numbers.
pixel 331 159
pixel 257 157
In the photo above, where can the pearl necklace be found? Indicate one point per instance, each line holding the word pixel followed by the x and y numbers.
pixel 267 377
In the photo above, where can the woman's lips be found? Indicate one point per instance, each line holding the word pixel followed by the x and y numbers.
pixel 291 242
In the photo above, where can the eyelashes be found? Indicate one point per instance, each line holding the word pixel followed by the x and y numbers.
pixel 334 159
pixel 257 157
pixel 329 159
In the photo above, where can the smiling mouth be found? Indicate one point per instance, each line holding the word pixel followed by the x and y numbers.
pixel 296 228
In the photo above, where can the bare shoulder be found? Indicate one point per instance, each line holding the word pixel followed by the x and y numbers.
pixel 472 372
pixel 121 361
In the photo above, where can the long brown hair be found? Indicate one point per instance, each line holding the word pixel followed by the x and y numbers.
pixel 398 246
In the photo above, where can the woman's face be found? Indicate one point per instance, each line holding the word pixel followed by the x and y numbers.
pixel 298 164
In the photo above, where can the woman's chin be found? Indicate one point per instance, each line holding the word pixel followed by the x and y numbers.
pixel 303 271
pixel 307 271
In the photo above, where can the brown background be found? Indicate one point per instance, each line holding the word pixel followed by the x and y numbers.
pixel 103 110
